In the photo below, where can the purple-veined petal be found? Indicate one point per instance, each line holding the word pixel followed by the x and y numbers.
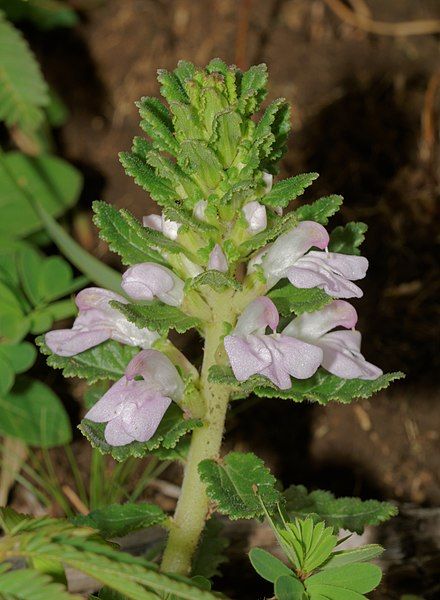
pixel 255 215
pixel 247 356
pixel 68 342
pixel 291 246
pixel 217 260
pixel 258 315
pixel 347 265
pixel 141 420
pixel 310 326
pixel 146 281
pixel 115 434
pixel 314 272
pixel 158 372
pixel 342 357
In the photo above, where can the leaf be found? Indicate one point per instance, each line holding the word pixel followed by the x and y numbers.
pixel 237 483
pixel 172 88
pixel 320 210
pixel 357 555
pixel 254 83
pixel 288 587
pixel 34 414
pixel 214 279
pixel 7 375
pixel 347 239
pixel 210 551
pixel 156 316
pixel 106 361
pixel 344 583
pixel 268 566
pixel 127 237
pixel 14 358
pixel 117 520
pixel 171 429
pixel 45 14
pixel 23 91
pixel 54 183
pixel 312 543
pixel 289 299
pixel 202 162
pixel 283 192
pixel 27 584
pixel 321 387
pixel 353 514
pixel 147 179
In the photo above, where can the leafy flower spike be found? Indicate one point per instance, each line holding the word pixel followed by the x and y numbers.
pixel 135 405
pixel 290 256
pixel 341 349
pixel 275 356
pixel 146 281
pixel 97 322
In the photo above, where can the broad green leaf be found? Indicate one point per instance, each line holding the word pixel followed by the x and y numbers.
pixel 237 483
pixel 357 555
pixel 320 210
pixel 210 551
pixel 126 236
pixel 290 299
pixel 344 583
pixel 106 361
pixel 288 587
pixel 171 429
pixel 347 239
pixel 7 374
pixel 14 358
pixel 283 192
pixel 13 323
pixel 52 182
pixel 28 584
pixel 157 316
pixel 213 279
pixel 321 387
pixel 23 91
pixel 34 414
pixel 267 566
pixel 45 14
pixel 353 514
pixel 117 520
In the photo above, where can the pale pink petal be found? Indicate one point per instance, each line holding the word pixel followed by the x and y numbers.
pixel 346 265
pixel 68 342
pixel 115 434
pixel 342 356
pixel 298 358
pixel 141 420
pixel 310 326
pixel 153 222
pixel 146 281
pixel 314 272
pixel 110 405
pixel 258 315
pixel 158 372
pixel 199 209
pixel 97 298
pixel 291 246
pixel 217 260
pixel 268 181
pixel 247 356
pixel 255 215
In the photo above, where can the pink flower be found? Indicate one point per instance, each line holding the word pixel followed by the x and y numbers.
pixel 255 215
pixel 146 281
pixel 341 349
pixel 276 356
pixel 135 405
pixel 290 256
pixel 169 228
pixel 217 260
pixel 97 322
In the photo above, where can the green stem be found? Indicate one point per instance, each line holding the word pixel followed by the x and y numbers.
pixel 192 507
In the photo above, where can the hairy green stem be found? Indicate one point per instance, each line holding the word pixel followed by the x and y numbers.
pixel 192 507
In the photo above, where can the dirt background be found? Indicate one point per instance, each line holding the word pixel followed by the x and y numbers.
pixel 366 117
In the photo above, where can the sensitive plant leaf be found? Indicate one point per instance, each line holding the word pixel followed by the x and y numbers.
pixel 172 428
pixel 117 520
pixel 321 210
pixel 288 299
pixel 157 316
pixel 210 551
pixel 353 514
pixel 52 182
pixel 344 583
pixel 29 584
pixel 268 566
pixel 239 484
pixel 283 192
pixel 216 280
pixel 288 587
pixel 106 361
pixel 357 555
pixel 312 543
pixel 33 413
pixel 127 237
pixel 23 91
pixel 321 387
pixel 347 239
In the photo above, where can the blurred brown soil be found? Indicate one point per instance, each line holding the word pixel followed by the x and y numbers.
pixel 366 117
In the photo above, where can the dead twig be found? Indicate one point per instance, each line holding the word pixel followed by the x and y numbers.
pixel 429 116
pixel 74 500
pixel 361 20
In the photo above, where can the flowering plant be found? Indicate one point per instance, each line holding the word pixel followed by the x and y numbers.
pixel 266 291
